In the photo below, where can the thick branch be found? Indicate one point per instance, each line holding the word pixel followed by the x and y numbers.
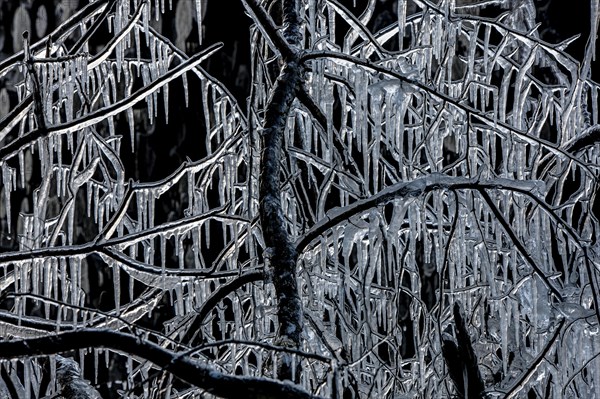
pixel 281 249
pixel 69 378
pixel 184 368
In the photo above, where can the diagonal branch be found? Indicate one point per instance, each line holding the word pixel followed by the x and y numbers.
pixel 184 368
pixel 520 246
pixel 17 144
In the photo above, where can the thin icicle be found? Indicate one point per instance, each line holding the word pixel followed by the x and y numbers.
pixel 401 22
pixel 199 12
pixel 185 89
pixel 131 123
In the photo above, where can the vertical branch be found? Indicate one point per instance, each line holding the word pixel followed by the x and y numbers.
pixel 279 245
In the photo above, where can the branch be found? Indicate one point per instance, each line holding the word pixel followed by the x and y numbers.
pixel 90 119
pixel 522 380
pixel 225 290
pixel 435 181
pixel 68 376
pixel 189 370
pixel 281 249
pixel 494 125
pixel 65 27
pixel 218 296
pixel 587 138
pixel 272 32
pixel 517 242
pixel 128 239
pixel 117 38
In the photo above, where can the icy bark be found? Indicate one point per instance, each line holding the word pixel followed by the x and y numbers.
pixel 197 374
pixel 73 386
pixel 280 248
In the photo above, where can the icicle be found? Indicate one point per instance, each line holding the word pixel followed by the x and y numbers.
pixel 190 193
pixel 141 209
pixel 401 22
pixel 6 181
pixel 150 210
pixel 185 89
pixel 594 91
pixel 199 12
pixel 131 282
pixel 153 61
pixel 117 287
pixel 163 252
pixel 156 9
pixel 165 90
pixel 22 168
pixel 70 224
pixel 47 280
pixel 594 27
pixel 70 83
pixel 130 121
pixel 180 253
pixel 178 299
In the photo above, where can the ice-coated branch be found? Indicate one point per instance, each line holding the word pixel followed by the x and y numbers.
pixel 112 44
pixel 273 34
pixel 587 138
pixel 517 242
pixel 225 290
pixel 495 125
pixel 519 384
pixel 66 27
pixel 90 119
pixel 282 250
pixel 423 185
pixel 73 386
pixel 220 293
pixel 184 368
pixel 128 239
pixel 435 181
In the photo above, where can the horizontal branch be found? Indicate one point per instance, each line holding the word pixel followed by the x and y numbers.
pixel 417 187
pixel 184 368
pixel 129 239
